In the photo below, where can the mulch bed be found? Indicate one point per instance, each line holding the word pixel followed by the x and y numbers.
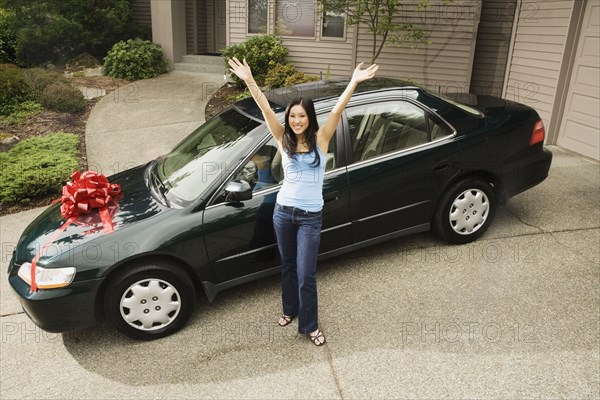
pixel 218 102
pixel 53 121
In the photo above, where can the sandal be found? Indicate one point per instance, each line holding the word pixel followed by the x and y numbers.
pixel 285 320
pixel 316 338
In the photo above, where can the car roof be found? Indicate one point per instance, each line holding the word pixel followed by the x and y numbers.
pixel 325 89
pixel 317 91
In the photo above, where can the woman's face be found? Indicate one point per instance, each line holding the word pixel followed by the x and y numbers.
pixel 298 119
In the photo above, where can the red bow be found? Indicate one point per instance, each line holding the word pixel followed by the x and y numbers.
pixel 85 192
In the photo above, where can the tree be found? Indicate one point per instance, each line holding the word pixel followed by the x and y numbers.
pixel 55 30
pixel 381 19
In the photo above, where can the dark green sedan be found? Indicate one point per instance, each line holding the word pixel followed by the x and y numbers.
pixel 198 220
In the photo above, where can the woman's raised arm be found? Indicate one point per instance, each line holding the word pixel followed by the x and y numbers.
pixel 359 75
pixel 242 70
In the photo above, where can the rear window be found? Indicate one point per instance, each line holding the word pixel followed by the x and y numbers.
pixel 456 103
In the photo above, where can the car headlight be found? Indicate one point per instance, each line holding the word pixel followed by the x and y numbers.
pixel 47 278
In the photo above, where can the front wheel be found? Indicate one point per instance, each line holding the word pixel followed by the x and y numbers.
pixel 150 301
pixel 465 211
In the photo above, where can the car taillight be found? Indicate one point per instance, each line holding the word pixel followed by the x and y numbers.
pixel 538 134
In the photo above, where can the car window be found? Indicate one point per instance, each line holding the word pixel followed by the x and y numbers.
pixel 264 169
pixel 381 128
pixel 438 131
pixel 202 157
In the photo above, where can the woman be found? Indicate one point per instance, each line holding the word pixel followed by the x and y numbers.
pixel 297 216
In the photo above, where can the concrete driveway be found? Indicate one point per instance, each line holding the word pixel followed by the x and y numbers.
pixel 513 315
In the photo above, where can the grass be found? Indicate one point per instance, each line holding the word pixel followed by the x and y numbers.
pixel 21 112
pixel 37 167
pixel 236 97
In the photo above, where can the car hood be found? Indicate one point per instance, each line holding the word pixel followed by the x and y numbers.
pixel 132 205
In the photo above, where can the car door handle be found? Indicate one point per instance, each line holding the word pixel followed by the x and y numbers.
pixel 331 197
pixel 441 165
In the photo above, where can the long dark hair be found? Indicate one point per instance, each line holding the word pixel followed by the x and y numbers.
pixel 290 142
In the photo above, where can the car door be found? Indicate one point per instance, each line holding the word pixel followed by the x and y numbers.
pixel 239 236
pixel 401 158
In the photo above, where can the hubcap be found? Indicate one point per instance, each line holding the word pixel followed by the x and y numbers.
pixel 469 211
pixel 150 304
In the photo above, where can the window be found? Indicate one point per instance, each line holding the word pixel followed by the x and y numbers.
pixel 378 129
pixel 257 16
pixel 295 18
pixel 264 169
pixel 333 25
pixel 200 159
pixel 437 130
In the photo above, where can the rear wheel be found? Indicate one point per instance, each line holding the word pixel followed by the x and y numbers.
pixel 465 211
pixel 150 301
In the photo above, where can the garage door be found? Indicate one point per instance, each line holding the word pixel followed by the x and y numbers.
pixel 580 127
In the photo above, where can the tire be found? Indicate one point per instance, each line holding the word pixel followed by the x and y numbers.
pixel 465 211
pixel 150 301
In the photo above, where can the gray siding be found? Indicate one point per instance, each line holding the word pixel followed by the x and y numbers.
pixel 493 43
pixel 444 65
pixel 535 62
pixel 311 55
pixel 141 12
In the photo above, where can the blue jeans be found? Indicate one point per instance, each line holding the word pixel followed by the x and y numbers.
pixel 298 236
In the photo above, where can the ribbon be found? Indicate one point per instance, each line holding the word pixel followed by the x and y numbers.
pixel 82 194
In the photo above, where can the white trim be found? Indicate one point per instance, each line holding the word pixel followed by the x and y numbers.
pixel 250 34
pixel 227 26
pixel 320 22
pixel 476 21
pixel 511 48
pixel 566 70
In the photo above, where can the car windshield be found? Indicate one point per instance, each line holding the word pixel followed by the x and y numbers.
pixel 194 165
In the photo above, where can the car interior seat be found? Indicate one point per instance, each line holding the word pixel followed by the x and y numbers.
pixel 372 140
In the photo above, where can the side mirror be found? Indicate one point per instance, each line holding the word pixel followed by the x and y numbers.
pixel 238 191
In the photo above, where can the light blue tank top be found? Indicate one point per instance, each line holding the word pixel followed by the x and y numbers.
pixel 303 183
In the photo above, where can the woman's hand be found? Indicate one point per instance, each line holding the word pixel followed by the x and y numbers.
pixel 360 75
pixel 242 70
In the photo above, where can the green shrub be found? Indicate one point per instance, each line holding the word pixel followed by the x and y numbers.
pixel 300 77
pixel 8 41
pixel 14 88
pixel 40 78
pixel 135 59
pixel 22 111
pixel 56 30
pixel 262 52
pixel 276 77
pixel 60 96
pixel 237 97
pixel 37 167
